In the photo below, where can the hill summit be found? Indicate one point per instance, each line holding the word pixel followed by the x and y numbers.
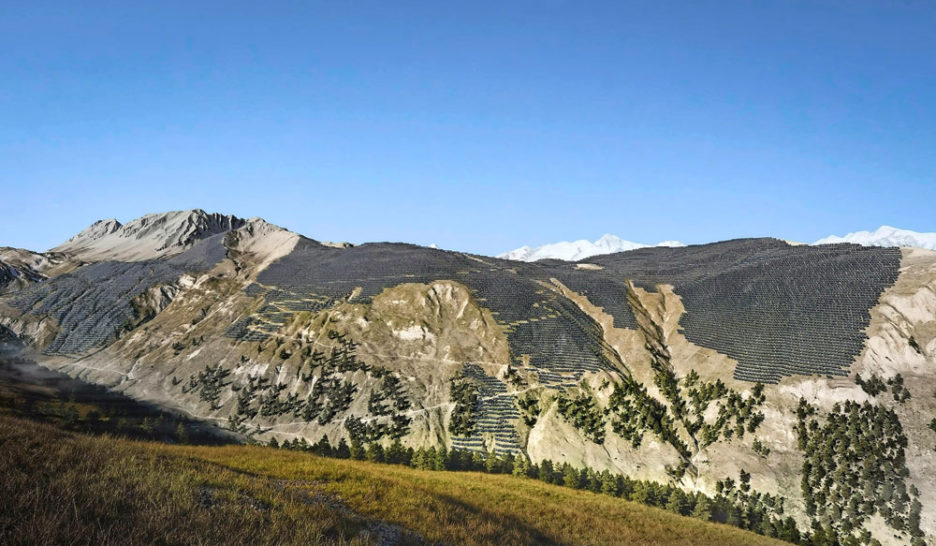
pixel 148 237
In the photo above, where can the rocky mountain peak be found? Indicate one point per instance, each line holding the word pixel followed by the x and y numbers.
pixel 180 228
pixel 98 229
pixel 147 237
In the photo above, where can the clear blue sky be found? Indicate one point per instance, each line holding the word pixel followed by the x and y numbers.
pixel 480 126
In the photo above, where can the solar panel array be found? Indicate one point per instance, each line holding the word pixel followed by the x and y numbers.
pixel 93 303
pixel 496 416
pixel 776 308
pixel 561 340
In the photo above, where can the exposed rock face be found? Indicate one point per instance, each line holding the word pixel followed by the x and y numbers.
pixel 256 244
pixel 97 230
pixel 628 363
pixel 148 237
pixel 14 277
pixel 20 268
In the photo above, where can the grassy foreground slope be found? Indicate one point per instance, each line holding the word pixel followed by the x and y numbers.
pixel 63 487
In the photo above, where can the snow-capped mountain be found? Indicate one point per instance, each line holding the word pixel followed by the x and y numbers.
pixel 884 236
pixel 578 250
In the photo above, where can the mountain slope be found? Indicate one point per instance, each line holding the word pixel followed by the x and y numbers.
pixel 71 488
pixel 20 268
pixel 681 365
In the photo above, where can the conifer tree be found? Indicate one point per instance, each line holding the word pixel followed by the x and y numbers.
pixel 396 453
pixel 343 451
pixel 181 433
pixel 357 450
pixel 492 464
pixel 374 453
pixel 702 509
pixel 477 460
pixel 441 456
pixel 609 484
pixel 521 466
pixel 418 460
pixel 570 476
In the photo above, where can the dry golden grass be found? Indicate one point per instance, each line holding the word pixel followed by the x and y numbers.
pixel 61 487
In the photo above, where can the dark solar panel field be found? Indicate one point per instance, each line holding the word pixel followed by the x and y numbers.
pixel 777 309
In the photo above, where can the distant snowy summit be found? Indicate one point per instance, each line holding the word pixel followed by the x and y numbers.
pixel 578 250
pixel 884 236
pixel 610 244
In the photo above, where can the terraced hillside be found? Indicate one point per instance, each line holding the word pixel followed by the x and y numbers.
pixel 779 310
pixel 560 340
pixel 650 363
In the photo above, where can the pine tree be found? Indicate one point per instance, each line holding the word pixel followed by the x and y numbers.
pixel 913 520
pixel 441 456
pixel 357 450
pixel 745 484
pixel 492 464
pixel 507 464
pixel 123 425
pixel 343 451
pixel 642 493
pixel 418 460
pixel 609 484
pixel 374 453
pixel 675 502
pixel 182 435
pixel 570 476
pixel 735 517
pixel 92 420
pixel 521 466
pixel 546 471
pixel 592 482
pixel 702 509
pixel 477 461
pixel 429 461
pixel 323 447
pixel 396 453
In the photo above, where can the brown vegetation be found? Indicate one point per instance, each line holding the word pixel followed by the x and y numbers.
pixel 62 487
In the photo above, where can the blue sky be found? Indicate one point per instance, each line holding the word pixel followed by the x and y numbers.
pixel 479 126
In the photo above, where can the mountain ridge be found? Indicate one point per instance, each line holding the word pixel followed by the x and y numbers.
pixel 685 365
pixel 147 237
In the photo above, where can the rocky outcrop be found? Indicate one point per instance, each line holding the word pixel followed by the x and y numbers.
pixel 21 268
pixel 148 237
